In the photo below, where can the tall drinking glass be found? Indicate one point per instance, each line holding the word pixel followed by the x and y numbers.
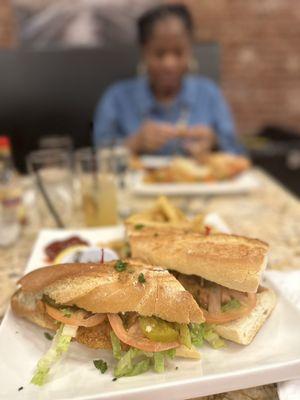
pixel 56 142
pixel 51 171
pixel 98 185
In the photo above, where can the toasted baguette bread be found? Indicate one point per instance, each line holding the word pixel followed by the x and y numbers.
pixel 100 288
pixel 243 330
pixel 229 260
pixel 25 305
pixel 225 165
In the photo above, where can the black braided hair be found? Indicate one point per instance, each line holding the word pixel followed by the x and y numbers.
pixel 146 22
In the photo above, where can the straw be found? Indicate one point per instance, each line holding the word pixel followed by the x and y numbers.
pixel 48 202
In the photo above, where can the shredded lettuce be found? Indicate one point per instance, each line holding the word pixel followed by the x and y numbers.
pixel 201 332
pixel 125 364
pixel 159 362
pixel 185 336
pixel 116 345
pixel 212 337
pixel 135 361
pixel 197 334
pixel 232 304
pixel 59 345
pixel 140 367
pixel 170 353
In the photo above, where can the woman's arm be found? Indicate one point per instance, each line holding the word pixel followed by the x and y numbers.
pixel 150 136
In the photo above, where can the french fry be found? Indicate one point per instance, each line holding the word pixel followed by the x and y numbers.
pixel 164 214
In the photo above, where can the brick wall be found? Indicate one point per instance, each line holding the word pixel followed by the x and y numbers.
pixel 7 25
pixel 260 57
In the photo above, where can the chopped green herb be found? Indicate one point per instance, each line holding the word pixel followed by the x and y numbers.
pixel 138 227
pixel 126 250
pixel 231 305
pixel 120 266
pixel 48 336
pixel 101 365
pixel 114 379
pixel 141 278
pixel 20 388
pixel 176 368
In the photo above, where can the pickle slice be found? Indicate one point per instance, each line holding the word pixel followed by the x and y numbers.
pixel 158 330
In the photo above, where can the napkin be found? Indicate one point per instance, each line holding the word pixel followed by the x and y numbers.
pixel 287 283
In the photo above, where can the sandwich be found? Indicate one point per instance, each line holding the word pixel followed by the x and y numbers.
pixel 216 166
pixel 180 170
pixel 142 313
pixel 221 271
pixel 225 166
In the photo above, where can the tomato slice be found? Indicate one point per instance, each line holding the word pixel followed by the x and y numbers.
pixel 77 318
pixel 135 338
pixel 222 318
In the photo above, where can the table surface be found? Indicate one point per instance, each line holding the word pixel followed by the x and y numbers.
pixel 270 213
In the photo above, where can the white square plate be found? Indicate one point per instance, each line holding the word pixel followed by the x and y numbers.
pixel 243 183
pixel 273 356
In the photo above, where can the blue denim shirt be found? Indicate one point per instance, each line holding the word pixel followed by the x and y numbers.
pixel 127 104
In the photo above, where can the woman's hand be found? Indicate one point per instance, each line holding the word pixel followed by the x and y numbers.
pixel 151 136
pixel 199 140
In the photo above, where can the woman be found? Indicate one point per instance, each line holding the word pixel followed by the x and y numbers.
pixel 167 110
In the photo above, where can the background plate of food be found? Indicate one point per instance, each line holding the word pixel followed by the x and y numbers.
pixel 218 173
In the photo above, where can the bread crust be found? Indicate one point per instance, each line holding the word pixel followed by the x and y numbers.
pixel 34 311
pixel 100 288
pixel 229 260
pixel 243 330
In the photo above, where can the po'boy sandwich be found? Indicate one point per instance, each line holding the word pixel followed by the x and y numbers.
pixel 222 272
pixel 140 312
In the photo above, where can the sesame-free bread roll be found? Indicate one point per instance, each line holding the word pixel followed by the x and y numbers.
pixel 100 288
pixel 229 260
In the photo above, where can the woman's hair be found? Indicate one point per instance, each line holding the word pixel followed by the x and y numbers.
pixel 147 21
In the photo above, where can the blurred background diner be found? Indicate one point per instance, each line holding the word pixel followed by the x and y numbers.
pixel 59 59
pixel 166 103
pixel 86 86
